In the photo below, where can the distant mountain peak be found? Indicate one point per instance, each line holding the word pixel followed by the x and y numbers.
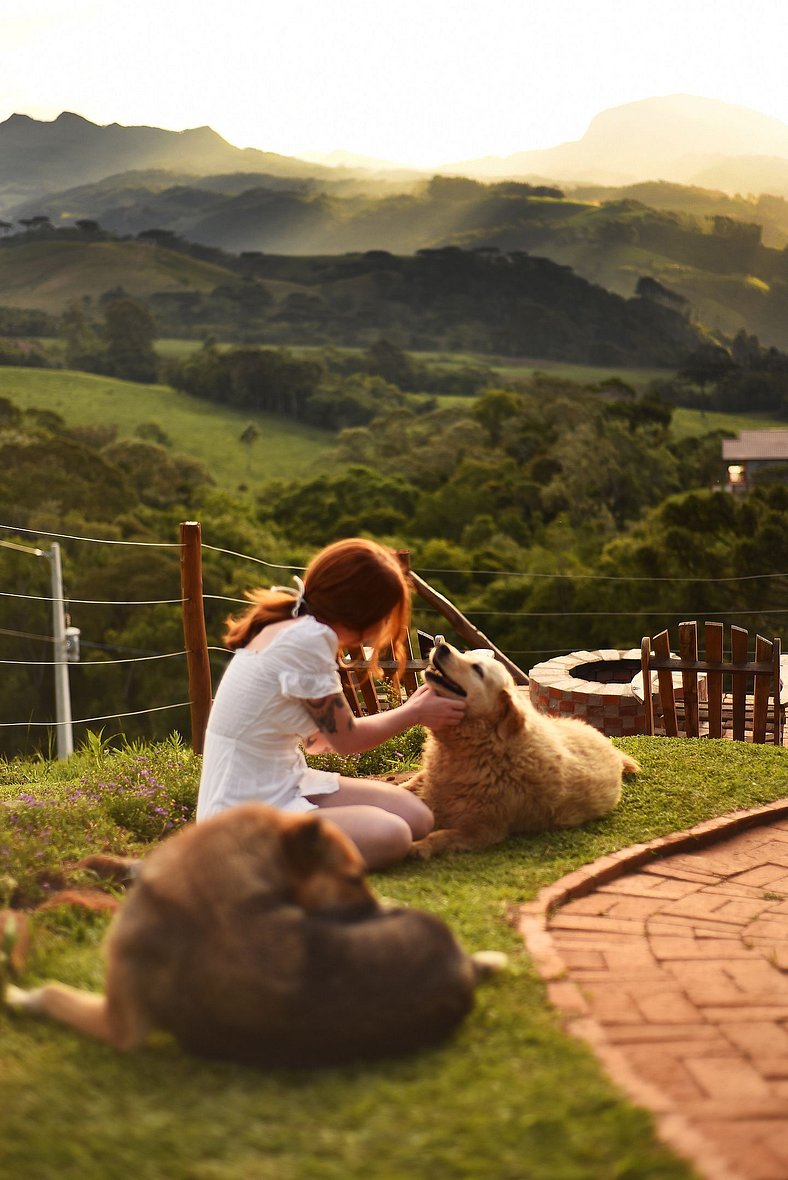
pixel 41 156
pixel 71 117
pixel 672 137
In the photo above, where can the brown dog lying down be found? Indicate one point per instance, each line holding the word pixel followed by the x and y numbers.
pixel 254 936
pixel 506 768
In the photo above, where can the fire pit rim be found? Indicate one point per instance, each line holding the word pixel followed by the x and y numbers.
pixel 558 672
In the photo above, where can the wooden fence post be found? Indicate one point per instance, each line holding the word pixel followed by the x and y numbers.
pixel 194 634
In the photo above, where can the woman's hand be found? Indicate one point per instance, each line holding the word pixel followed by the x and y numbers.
pixel 433 711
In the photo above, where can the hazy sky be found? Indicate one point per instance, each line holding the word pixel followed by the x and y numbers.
pixel 417 81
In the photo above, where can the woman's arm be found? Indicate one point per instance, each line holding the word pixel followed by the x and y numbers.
pixel 340 731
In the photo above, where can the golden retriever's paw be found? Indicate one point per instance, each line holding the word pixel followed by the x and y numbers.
pixel 420 850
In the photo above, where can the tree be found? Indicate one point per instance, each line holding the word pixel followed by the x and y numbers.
pixel 129 331
pixel 248 437
pixel 84 348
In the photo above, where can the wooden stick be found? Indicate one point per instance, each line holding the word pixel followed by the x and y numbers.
pixel 195 638
pixel 462 625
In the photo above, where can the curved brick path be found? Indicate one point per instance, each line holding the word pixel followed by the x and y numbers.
pixel 671 960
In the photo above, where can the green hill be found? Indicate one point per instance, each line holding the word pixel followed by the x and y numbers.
pixel 724 255
pixel 47 274
pixel 451 299
pixel 202 430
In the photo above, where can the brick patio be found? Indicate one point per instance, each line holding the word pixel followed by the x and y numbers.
pixel 671 960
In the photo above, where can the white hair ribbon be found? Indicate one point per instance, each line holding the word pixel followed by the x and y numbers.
pixel 297 594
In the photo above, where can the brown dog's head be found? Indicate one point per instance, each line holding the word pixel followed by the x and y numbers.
pixel 254 854
pixel 326 869
pixel 480 680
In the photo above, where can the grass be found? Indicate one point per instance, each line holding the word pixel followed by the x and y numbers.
pixel 511 1097
pixel 696 422
pixel 203 430
pixel 49 274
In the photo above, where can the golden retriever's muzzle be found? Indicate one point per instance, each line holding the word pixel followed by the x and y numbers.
pixel 436 672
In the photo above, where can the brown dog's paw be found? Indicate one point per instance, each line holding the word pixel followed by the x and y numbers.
pixel 14 940
pixel 18 999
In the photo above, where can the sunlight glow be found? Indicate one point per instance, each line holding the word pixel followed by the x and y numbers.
pixel 423 81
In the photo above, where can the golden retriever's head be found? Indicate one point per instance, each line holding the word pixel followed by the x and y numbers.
pixel 480 680
pixel 326 869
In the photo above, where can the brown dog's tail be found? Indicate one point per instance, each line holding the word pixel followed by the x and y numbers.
pixel 487 963
pixel 629 765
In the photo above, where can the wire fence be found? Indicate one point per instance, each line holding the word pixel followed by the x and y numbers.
pixel 145 657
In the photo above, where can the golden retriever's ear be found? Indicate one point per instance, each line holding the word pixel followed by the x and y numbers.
pixel 508 718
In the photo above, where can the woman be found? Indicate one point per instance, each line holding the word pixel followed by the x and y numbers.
pixel 282 690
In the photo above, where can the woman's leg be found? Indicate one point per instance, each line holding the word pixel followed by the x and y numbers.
pixel 362 792
pixel 381 819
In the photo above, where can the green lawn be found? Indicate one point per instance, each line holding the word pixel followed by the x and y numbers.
pixel 200 429
pixel 510 1098
pixel 692 422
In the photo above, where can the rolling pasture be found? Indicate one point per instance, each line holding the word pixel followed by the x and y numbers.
pixel 202 430
pixel 47 275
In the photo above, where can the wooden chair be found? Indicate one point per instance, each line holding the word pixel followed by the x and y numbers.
pixel 366 696
pixel 736 698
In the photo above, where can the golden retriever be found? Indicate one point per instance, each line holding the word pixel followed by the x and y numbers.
pixel 507 768
pixel 254 936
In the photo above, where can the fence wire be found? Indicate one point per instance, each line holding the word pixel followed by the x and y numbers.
pixel 524 575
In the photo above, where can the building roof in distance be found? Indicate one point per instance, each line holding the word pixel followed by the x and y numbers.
pixel 757 444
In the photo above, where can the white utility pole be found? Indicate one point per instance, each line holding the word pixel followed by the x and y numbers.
pixel 63 728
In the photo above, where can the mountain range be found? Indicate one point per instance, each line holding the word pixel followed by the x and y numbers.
pixel 41 157
pixel 680 138
pixel 723 254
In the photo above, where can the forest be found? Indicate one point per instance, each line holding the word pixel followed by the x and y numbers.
pixel 555 516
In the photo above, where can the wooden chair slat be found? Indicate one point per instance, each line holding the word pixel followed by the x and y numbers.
pixel 648 698
pixel 360 681
pixel 408 679
pixel 779 709
pixel 739 638
pixel 760 715
pixel 665 681
pixel 688 650
pixel 713 637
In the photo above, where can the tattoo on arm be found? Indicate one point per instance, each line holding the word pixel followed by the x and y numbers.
pixel 327 712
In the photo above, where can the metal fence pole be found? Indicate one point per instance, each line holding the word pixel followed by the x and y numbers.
pixel 63 727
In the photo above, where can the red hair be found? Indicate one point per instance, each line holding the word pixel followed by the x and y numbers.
pixel 355 583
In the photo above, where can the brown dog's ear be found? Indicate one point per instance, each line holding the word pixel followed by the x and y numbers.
pixel 305 845
pixel 508 718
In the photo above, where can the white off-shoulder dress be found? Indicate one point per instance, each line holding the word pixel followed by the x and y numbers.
pixel 253 741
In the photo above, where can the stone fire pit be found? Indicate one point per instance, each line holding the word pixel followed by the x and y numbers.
pixel 593 685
